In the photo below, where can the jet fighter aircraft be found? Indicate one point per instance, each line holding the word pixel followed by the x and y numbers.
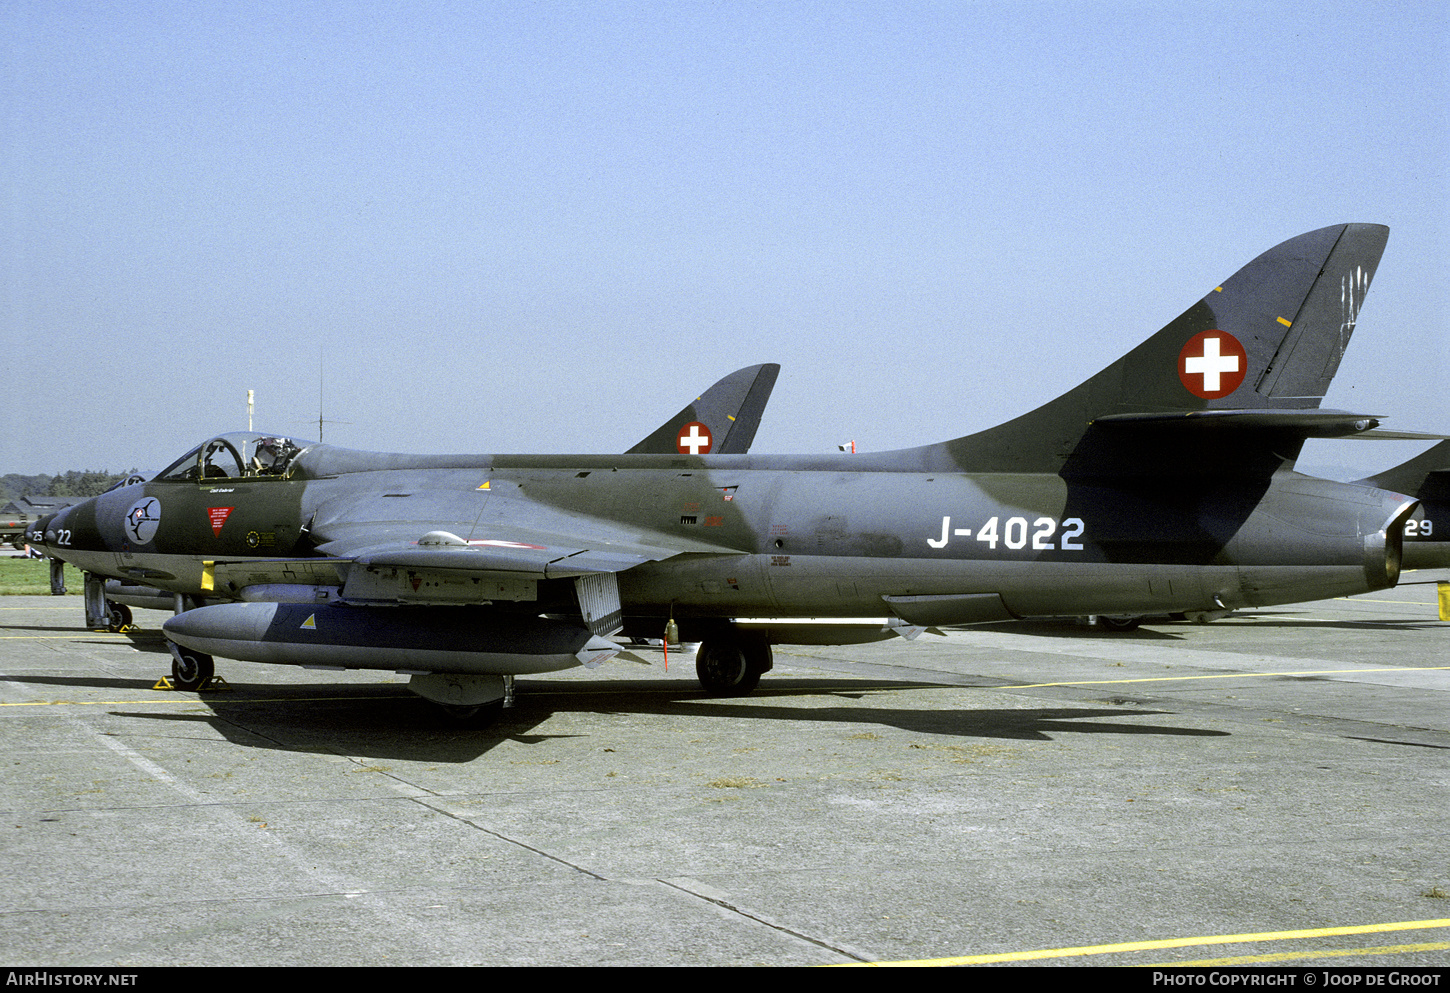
pixel 1164 483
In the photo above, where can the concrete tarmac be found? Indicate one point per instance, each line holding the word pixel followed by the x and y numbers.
pixel 1269 789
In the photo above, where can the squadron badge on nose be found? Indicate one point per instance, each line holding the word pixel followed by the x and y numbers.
pixel 143 519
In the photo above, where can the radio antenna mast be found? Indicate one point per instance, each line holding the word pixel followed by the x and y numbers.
pixel 320 420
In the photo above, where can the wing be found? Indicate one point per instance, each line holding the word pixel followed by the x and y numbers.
pixel 513 557
pixel 429 561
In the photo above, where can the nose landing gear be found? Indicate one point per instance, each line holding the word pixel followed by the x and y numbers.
pixel 190 670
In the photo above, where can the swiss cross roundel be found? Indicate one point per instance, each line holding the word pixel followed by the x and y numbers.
pixel 694 439
pixel 1212 364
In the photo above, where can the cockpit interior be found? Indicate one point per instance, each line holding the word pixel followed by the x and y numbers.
pixel 240 455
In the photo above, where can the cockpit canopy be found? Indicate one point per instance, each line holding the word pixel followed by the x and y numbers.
pixel 131 480
pixel 242 454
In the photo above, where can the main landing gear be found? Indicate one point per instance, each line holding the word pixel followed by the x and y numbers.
pixel 474 700
pixel 730 663
pixel 118 617
pixel 1119 624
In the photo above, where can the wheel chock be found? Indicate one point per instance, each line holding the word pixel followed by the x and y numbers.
pixel 215 684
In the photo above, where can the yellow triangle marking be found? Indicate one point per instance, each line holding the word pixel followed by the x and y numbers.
pixel 311 622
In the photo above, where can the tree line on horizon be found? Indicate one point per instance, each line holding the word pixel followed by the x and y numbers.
pixel 75 483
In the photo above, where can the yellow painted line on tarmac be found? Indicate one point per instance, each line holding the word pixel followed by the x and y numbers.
pixel 102 703
pixel 1143 946
pixel 1328 953
pixel 208 698
pixel 87 635
pixel 1224 675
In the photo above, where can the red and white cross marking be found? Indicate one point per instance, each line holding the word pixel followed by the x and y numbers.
pixel 694 439
pixel 1212 364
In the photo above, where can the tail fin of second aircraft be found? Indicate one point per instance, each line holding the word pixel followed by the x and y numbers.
pixel 1255 355
pixel 721 421
pixel 1426 476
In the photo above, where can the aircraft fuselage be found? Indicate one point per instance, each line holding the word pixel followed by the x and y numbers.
pixel 775 536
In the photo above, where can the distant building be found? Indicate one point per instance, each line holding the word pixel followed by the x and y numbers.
pixel 17 514
pixel 38 506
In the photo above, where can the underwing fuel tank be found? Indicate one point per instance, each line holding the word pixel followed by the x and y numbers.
pixel 465 640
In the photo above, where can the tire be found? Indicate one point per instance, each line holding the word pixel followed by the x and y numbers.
pixel 474 717
pixel 731 666
pixel 191 670
pixel 119 616
pixel 1120 623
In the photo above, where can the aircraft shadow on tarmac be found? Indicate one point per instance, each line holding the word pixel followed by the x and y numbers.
pixel 1288 620
pixel 384 721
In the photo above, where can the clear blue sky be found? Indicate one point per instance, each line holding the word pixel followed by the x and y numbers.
pixel 501 227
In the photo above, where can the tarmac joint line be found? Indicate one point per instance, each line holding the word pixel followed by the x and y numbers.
pixel 710 894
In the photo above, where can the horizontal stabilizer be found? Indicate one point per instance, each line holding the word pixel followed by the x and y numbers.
pixel 1377 435
pixel 1305 423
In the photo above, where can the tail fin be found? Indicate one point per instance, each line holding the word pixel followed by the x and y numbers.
pixel 721 421
pixel 1267 341
pixel 1426 476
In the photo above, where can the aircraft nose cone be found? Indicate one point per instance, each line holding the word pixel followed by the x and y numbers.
pixel 45 528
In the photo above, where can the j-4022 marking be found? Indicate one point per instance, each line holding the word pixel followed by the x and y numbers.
pixel 1015 533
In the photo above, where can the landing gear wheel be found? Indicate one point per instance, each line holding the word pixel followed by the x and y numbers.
pixel 474 717
pixel 1120 623
pixel 190 670
pixel 731 665
pixel 118 616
